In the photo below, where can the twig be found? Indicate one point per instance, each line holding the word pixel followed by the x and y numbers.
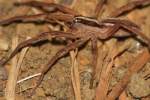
pixel 102 89
pixel 27 78
pixel 140 61
pixel 10 87
pixel 75 75
pixel 14 71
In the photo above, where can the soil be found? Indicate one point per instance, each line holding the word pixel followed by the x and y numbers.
pixel 57 84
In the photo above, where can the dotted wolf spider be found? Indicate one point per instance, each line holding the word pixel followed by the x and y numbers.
pixel 81 29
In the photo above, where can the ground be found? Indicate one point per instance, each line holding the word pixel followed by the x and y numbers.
pixel 57 84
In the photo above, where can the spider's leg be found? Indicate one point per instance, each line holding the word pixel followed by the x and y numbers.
pixel 34 40
pixel 138 32
pixel 38 18
pixel 99 6
pixel 53 17
pixel 57 56
pixel 129 7
pixel 109 32
pixel 122 21
pixel 48 7
pixel 25 18
pixel 130 26
pixel 94 58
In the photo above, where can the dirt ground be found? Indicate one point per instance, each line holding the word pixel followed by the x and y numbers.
pixel 57 84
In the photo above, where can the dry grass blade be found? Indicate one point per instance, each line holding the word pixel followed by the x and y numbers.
pixel 15 66
pixel 75 75
pixel 14 71
pixel 140 61
pixel 101 56
pixel 29 77
pixel 10 86
pixel 102 89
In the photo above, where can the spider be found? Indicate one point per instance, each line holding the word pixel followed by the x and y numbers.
pixel 81 29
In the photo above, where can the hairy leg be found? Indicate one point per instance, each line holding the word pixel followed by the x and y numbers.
pixel 25 18
pixel 58 55
pixel 120 21
pixel 99 7
pixel 129 7
pixel 109 32
pixel 51 17
pixel 130 26
pixel 138 32
pixel 94 58
pixel 34 40
pixel 48 7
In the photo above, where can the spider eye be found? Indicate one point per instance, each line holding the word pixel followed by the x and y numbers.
pixel 76 20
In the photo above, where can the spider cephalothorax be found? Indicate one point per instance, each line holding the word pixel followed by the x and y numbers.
pixel 80 28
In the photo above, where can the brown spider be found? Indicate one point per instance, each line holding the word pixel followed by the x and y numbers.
pixel 81 29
